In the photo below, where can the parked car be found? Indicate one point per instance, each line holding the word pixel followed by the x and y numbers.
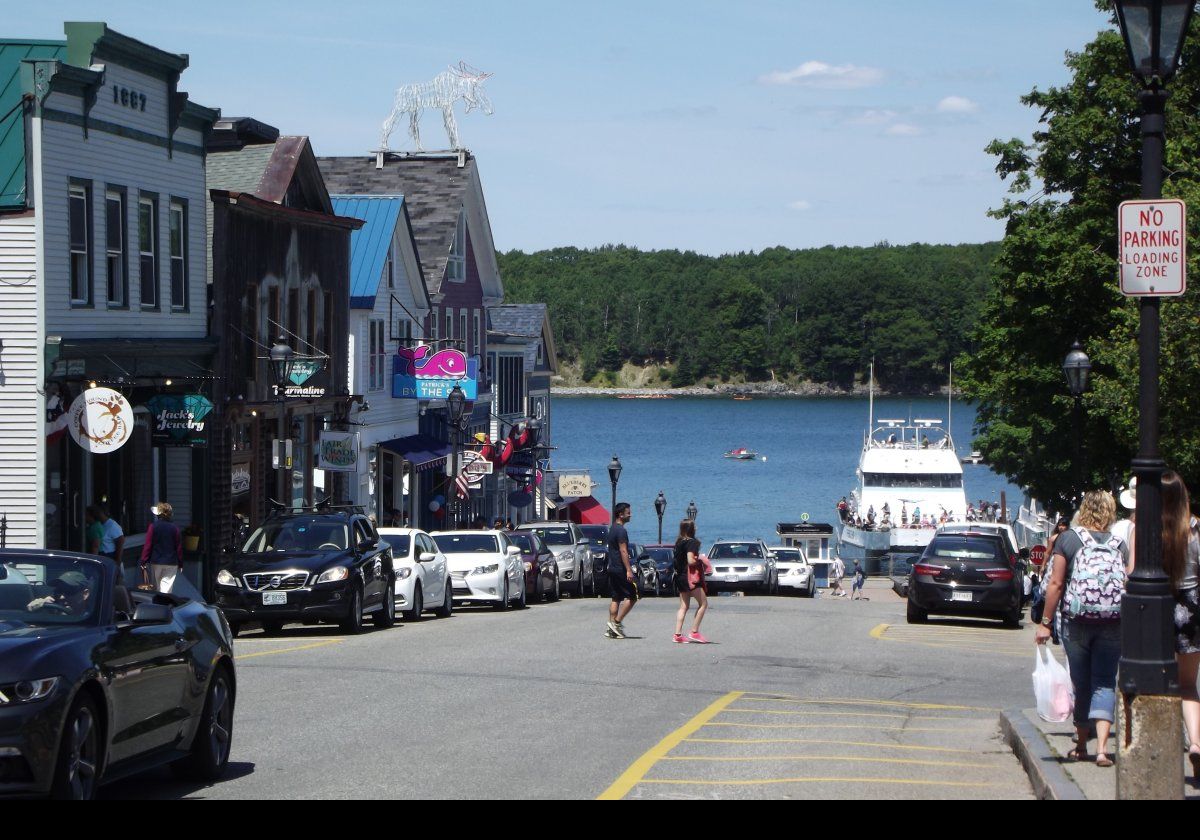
pixel 310 566
pixel 485 567
pixel 597 537
pixel 968 573
pixel 663 557
pixel 422 576
pixel 97 682
pixel 742 564
pixel 795 573
pixel 571 550
pixel 541 567
pixel 1010 545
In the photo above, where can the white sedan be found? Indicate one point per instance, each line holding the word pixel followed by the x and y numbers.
pixel 422 573
pixel 795 573
pixel 485 567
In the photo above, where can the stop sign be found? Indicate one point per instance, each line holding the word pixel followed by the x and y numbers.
pixel 1037 555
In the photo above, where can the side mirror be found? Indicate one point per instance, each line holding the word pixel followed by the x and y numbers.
pixel 366 545
pixel 152 614
pixel 428 557
pixel 513 551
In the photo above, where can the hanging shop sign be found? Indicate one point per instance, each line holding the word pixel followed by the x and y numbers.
pixel 179 419
pixel 574 486
pixel 101 420
pixel 419 373
pixel 474 468
pixel 308 379
pixel 338 451
pixel 240 479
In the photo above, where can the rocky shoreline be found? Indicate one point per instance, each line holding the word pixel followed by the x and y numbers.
pixel 728 390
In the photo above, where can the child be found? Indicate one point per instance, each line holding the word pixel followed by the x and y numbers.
pixel 860 577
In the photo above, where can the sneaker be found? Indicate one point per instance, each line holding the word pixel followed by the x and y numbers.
pixel 618 630
pixel 696 637
pixel 680 639
pixel 610 634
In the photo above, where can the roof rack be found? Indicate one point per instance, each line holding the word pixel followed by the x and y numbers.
pixel 323 506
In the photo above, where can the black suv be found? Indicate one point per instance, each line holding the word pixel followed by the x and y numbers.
pixel 967 574
pixel 309 566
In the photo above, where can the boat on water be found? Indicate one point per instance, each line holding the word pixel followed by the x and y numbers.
pixel 741 454
pixel 742 398
pixel 976 457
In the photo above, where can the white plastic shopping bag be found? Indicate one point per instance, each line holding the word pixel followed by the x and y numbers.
pixel 1052 688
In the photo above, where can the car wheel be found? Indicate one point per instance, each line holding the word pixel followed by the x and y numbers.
pixel 916 615
pixel 418 605
pixel 270 628
pixel 522 599
pixel 214 733
pixel 447 607
pixel 386 617
pixel 1012 618
pixel 502 604
pixel 555 593
pixel 352 624
pixel 78 753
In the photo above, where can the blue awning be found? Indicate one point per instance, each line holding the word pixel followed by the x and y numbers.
pixel 422 451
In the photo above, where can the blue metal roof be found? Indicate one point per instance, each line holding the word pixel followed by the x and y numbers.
pixel 12 124
pixel 369 244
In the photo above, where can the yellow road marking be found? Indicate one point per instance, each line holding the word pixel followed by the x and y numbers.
pixel 827 743
pixel 325 643
pixel 835 701
pixel 809 714
pixel 637 771
pixel 879 630
pixel 817 780
pixel 838 726
pixel 857 758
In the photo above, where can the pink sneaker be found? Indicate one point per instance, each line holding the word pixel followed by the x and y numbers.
pixel 679 639
pixel 696 637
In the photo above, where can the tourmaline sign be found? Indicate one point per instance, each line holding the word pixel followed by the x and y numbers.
pixel 1153 248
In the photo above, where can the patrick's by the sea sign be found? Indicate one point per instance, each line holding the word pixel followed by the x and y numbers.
pixel 420 373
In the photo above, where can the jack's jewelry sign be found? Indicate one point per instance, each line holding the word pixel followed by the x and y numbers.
pixel 179 419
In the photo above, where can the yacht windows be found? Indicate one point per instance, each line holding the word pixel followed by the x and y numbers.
pixel 921 480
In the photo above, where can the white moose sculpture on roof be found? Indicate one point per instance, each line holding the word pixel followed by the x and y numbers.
pixel 461 82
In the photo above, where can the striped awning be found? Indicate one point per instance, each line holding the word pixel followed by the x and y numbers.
pixel 422 451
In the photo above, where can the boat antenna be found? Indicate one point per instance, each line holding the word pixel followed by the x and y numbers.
pixel 871 397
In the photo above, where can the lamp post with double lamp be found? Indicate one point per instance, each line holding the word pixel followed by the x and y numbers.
pixel 692 510
pixel 456 402
pixel 660 507
pixel 1076 368
pixel 614 475
pixel 1149 678
pixel 281 358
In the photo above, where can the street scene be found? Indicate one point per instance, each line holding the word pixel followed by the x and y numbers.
pixel 729 403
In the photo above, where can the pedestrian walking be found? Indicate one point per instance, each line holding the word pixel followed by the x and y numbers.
pixel 112 543
pixel 1088 579
pixel 621 581
pixel 860 578
pixel 690 570
pixel 1181 562
pixel 837 571
pixel 162 553
pixel 93 530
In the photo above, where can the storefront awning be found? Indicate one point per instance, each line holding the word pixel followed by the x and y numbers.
pixel 422 451
pixel 587 511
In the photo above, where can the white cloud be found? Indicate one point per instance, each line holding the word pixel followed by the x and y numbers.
pixel 957 105
pixel 874 116
pixel 818 74
pixel 902 130
pixel 800 205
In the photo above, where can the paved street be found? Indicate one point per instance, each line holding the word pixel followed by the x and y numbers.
pixel 796 699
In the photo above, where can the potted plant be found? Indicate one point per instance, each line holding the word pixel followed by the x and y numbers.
pixel 191 538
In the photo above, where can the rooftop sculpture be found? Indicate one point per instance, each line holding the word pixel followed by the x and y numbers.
pixel 459 82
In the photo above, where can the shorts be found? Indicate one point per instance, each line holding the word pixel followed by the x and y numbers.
pixel 858 583
pixel 621 588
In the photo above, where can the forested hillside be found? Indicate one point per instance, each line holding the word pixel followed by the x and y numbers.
pixel 819 315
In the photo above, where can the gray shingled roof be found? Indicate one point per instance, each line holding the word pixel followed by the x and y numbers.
pixel 523 319
pixel 240 170
pixel 434 189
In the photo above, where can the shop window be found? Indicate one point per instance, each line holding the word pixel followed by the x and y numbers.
pixel 148 250
pixel 114 238
pixel 79 211
pixel 178 248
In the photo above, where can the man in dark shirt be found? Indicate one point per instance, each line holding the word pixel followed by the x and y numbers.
pixel 620 574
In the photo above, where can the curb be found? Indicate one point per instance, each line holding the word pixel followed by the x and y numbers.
pixel 1046 775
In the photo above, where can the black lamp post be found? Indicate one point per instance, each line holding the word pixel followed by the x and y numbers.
pixel 535 436
pixel 1076 368
pixel 457 403
pixel 614 475
pixel 282 356
pixel 692 510
pixel 1153 31
pixel 660 507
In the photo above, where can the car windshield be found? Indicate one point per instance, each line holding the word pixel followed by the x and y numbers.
pixel 525 542
pixel 596 534
pixel 299 533
pixel 554 536
pixel 399 543
pixel 788 555
pixel 736 551
pixel 466 543
pixel 661 555
pixel 49 591
pixel 965 547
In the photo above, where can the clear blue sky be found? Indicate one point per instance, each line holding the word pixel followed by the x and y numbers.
pixel 699 125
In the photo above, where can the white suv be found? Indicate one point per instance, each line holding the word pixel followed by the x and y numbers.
pixel 422 576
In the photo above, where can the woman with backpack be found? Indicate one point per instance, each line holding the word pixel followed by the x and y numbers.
pixel 1181 563
pixel 1088 578
pixel 690 569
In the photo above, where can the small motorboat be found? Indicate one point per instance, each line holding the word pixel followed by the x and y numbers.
pixel 743 397
pixel 741 454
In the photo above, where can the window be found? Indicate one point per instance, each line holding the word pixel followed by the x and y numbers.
pixel 480 339
pixel 79 210
pixel 449 336
pixel 541 354
pixel 433 326
pixel 327 338
pixel 114 240
pixel 311 316
pixel 462 331
pixel 456 265
pixel 512 384
pixel 274 330
pixel 178 246
pixel 391 272
pixel 249 331
pixel 377 363
pixel 293 321
pixel 148 250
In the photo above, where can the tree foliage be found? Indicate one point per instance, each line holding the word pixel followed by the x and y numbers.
pixel 1056 282
pixel 819 314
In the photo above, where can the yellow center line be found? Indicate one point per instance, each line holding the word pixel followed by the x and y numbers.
pixel 817 780
pixel 325 643
pixel 637 771
pixel 807 714
pixel 837 726
pixel 855 758
pixel 843 701
pixel 825 742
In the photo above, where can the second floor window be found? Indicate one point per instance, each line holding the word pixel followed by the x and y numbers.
pixel 148 251
pixel 449 336
pixel 179 266
pixel 433 326
pixel 378 357
pixel 462 331
pixel 114 238
pixel 456 265
pixel 79 206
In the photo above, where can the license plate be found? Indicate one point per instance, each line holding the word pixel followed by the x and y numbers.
pixel 962 596
pixel 274 599
pixel 732 579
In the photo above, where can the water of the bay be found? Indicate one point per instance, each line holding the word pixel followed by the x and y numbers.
pixel 812 446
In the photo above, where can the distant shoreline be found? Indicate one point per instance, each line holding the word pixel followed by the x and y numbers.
pixel 728 391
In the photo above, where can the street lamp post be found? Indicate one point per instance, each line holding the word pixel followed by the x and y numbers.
pixel 660 507
pixel 1149 677
pixel 614 475
pixel 1076 368
pixel 456 402
pixel 692 510
pixel 281 359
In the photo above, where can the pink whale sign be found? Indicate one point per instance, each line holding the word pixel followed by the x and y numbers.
pixel 444 364
pixel 420 373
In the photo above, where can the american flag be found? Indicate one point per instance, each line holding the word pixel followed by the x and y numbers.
pixel 461 483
